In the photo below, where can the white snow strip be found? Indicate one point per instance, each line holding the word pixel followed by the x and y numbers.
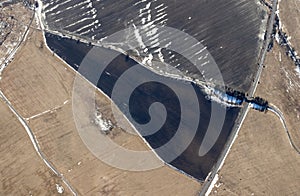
pixel 277 38
pixel 78 4
pixel 88 25
pixel 146 8
pixel 140 2
pixel 159 6
pixel 139 37
pixel 159 14
pixel 81 20
pixel 58 12
pixel 279 56
pixel 58 20
pixel 155 36
pixel 152 32
pixel 168 44
pixel 56 6
pixel 212 185
pixel 50 3
pixel 149 17
pixel 163 21
pixel 161 17
pixel 40 17
pixel 37 115
pixel 154 42
pixel 298 71
pixel 162 9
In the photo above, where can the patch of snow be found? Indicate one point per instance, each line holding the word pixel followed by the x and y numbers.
pixel 219 184
pixel 168 44
pixel 59 188
pixel 279 56
pixel 148 60
pixel 105 125
pixel 298 71
pixel 160 55
pixel 261 36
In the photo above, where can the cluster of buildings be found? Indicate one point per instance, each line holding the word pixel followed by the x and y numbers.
pixel 6 24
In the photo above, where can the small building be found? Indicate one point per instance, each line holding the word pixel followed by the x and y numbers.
pixel 258 103
pixel 258 107
pixel 230 96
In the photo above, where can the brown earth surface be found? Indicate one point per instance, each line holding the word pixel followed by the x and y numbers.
pixel 22 170
pixel 289 12
pixel 39 86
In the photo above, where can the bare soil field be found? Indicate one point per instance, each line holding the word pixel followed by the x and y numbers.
pixel 39 86
pixel 261 161
pixel 22 170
